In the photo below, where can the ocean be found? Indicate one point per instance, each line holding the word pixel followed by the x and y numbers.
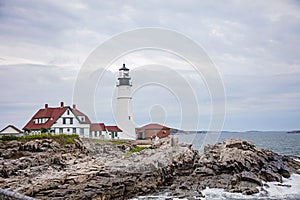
pixel 279 142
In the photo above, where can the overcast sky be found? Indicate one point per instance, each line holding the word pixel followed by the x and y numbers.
pixel 255 46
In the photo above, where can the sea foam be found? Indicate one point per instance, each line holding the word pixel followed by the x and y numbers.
pixel 289 189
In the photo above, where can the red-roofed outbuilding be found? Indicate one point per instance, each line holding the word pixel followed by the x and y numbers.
pixel 150 131
pixel 113 131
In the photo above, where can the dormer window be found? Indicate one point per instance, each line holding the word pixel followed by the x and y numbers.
pixel 40 120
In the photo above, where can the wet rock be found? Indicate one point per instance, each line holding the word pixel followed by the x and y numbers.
pixel 249 191
pixel 250 177
pixel 238 166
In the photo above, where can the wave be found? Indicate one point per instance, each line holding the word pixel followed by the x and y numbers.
pixel 289 189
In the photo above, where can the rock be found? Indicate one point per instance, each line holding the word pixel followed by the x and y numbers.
pixel 237 166
pixel 283 185
pixel 90 170
pixel 204 171
pixel 251 177
pixel 249 191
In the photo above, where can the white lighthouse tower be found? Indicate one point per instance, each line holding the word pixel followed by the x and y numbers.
pixel 124 118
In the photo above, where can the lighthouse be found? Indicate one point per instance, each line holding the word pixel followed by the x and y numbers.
pixel 124 117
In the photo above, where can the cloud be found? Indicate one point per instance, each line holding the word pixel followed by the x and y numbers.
pixel 254 44
pixel 26 87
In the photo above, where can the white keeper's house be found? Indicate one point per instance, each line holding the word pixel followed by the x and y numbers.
pixel 68 120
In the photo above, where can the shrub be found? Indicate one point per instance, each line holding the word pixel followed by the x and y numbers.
pixel 61 138
pixel 8 137
pixel 65 138
pixel 35 137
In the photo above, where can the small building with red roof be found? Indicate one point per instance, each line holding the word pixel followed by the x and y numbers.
pixel 114 132
pixel 150 131
pixel 11 130
pixel 97 130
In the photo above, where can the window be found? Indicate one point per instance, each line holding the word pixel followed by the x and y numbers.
pixel 64 120
pixel 142 135
pixel 91 135
pixel 74 130
pixel 61 130
pixel 71 120
pixel 95 133
pixel 81 131
pixel 45 120
pixel 68 130
pixel 68 112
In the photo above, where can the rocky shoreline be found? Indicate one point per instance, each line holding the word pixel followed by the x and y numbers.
pixel 88 169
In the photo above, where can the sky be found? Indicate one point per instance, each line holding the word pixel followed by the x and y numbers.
pixel 255 46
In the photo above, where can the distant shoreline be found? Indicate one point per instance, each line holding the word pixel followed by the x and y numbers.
pixel 293 132
pixel 205 132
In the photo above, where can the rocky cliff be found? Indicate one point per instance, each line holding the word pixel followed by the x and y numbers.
pixel 236 166
pixel 86 169
pixel 46 169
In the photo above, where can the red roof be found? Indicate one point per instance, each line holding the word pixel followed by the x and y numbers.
pixel 154 126
pixel 13 127
pixel 52 113
pixel 97 127
pixel 113 129
pixel 79 113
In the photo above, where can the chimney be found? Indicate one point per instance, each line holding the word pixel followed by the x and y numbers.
pixel 46 105
pixel 74 106
pixel 61 104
